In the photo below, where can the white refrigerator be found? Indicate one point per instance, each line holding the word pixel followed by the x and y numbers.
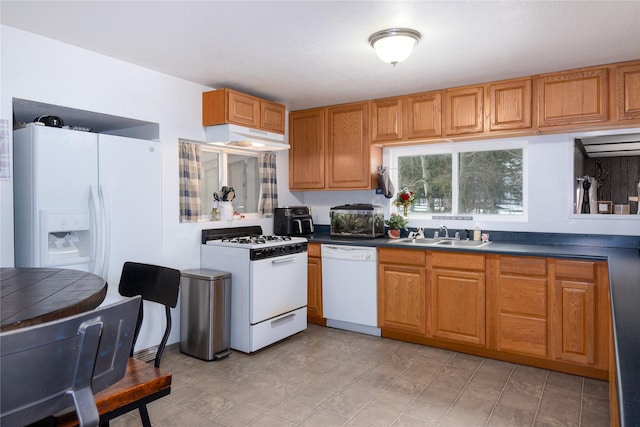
pixel 86 201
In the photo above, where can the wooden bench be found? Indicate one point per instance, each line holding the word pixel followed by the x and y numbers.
pixel 142 383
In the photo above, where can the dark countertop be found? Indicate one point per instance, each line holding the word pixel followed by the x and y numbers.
pixel 623 257
pixel 29 296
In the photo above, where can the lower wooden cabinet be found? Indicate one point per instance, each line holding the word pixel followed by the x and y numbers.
pixel 581 312
pixel 402 291
pixel 458 297
pixel 519 300
pixel 314 285
pixel 544 312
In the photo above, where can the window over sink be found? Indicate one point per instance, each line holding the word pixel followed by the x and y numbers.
pixel 475 178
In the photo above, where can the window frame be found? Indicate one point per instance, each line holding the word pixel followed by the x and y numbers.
pixel 223 153
pixel 454 149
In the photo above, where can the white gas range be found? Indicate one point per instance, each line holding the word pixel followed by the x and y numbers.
pixel 268 283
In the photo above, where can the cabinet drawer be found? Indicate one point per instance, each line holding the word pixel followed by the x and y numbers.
pixel 584 270
pixel 313 250
pixel 523 266
pixel 402 256
pixel 458 260
pixel 523 295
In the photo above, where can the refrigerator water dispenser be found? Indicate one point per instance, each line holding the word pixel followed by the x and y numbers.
pixel 66 237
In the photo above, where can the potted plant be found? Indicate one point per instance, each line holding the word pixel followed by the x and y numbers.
pixel 396 223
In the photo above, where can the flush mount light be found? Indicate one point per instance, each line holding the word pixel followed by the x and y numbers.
pixel 395 44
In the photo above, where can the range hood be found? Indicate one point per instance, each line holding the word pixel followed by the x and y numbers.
pixel 245 138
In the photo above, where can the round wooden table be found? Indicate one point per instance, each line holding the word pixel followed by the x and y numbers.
pixel 29 296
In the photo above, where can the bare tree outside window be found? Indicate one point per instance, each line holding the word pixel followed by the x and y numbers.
pixel 429 176
pixel 488 182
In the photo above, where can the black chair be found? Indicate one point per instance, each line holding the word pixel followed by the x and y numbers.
pixel 58 364
pixel 157 284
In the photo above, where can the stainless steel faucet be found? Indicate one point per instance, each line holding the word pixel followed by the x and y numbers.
pixel 446 231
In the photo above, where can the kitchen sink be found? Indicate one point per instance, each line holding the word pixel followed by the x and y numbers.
pixel 441 242
pixel 408 241
pixel 463 243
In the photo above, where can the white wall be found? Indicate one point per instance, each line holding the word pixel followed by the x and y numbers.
pixel 44 70
pixel 550 183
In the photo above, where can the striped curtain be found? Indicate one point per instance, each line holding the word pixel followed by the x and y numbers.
pixel 190 176
pixel 268 184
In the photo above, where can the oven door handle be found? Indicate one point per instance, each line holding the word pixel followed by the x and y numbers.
pixel 281 319
pixel 283 260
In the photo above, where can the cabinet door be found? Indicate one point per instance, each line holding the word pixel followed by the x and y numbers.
pixel 464 110
pixel 348 151
pixel 458 305
pixel 573 97
pixel 510 105
pixel 576 321
pixel 402 298
pixel 243 109
pixel 272 116
pixel 520 300
pixel 306 155
pixel 314 290
pixel 423 115
pixel 628 92
pixel 386 120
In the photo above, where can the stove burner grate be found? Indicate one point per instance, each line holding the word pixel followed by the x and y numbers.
pixel 256 240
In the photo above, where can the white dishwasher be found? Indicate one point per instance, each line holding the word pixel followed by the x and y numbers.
pixel 349 288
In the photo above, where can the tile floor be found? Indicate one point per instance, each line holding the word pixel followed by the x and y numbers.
pixel 328 377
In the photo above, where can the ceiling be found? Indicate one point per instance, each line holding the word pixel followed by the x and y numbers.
pixel 315 53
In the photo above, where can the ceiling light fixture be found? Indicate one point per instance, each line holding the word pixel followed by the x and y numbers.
pixel 394 44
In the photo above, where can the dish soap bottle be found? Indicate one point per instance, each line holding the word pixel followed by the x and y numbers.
pixel 476 232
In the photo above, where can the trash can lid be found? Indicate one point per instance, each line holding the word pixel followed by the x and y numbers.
pixel 205 274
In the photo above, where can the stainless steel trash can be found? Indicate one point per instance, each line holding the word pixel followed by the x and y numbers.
pixel 205 313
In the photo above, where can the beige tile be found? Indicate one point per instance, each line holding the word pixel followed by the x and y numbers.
pixel 408 421
pixel 211 405
pixel 327 377
pixel 271 421
pixel 425 411
pixel 238 416
pixel 506 416
pixel 346 405
pixel 377 413
pixel 322 418
pixel 186 417
pixel 595 387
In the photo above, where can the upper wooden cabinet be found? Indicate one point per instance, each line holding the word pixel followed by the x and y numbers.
pixel 405 118
pixel 347 156
pixel 510 105
pixel 306 155
pixel 330 149
pixel 272 116
pixel 386 120
pixel 573 97
pixel 627 91
pixel 229 106
pixel 423 115
pixel 464 110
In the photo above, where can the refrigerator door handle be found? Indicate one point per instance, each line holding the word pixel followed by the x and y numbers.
pixel 96 231
pixel 103 193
